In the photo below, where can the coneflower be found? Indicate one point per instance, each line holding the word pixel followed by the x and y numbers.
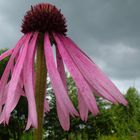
pixel 45 27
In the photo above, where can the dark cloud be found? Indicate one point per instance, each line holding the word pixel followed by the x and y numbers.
pixel 110 21
pixel 107 30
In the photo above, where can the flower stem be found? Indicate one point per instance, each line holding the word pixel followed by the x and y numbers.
pixel 40 86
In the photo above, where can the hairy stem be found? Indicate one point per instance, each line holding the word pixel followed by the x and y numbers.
pixel 40 87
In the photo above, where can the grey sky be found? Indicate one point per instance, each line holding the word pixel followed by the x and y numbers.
pixel 107 30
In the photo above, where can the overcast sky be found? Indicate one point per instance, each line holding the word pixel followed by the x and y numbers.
pixel 107 30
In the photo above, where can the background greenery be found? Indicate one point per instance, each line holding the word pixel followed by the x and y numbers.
pixel 114 122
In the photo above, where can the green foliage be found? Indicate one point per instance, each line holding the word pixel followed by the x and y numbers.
pixel 126 119
pixel 121 137
pixel 16 126
pixel 27 136
pixel 114 122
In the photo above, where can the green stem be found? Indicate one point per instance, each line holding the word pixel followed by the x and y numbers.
pixel 40 87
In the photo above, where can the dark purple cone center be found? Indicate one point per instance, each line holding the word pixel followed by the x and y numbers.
pixel 44 18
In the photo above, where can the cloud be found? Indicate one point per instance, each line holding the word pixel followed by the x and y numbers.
pixel 108 31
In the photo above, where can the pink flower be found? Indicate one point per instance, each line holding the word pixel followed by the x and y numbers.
pixel 89 79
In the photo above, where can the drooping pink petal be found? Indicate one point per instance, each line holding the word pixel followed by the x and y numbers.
pixel 9 66
pixel 5 94
pixel 93 74
pixel 10 51
pixel 82 107
pixel 28 82
pixel 101 92
pixel 18 93
pixel 15 78
pixel 13 105
pixel 21 82
pixel 46 104
pixel 2 117
pixel 63 115
pixel 6 54
pixel 64 105
pixel 78 78
pixel 88 76
pixel 60 67
pixel 29 123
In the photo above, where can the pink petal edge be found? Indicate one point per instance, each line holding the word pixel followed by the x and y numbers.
pixel 64 105
pixel 78 78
